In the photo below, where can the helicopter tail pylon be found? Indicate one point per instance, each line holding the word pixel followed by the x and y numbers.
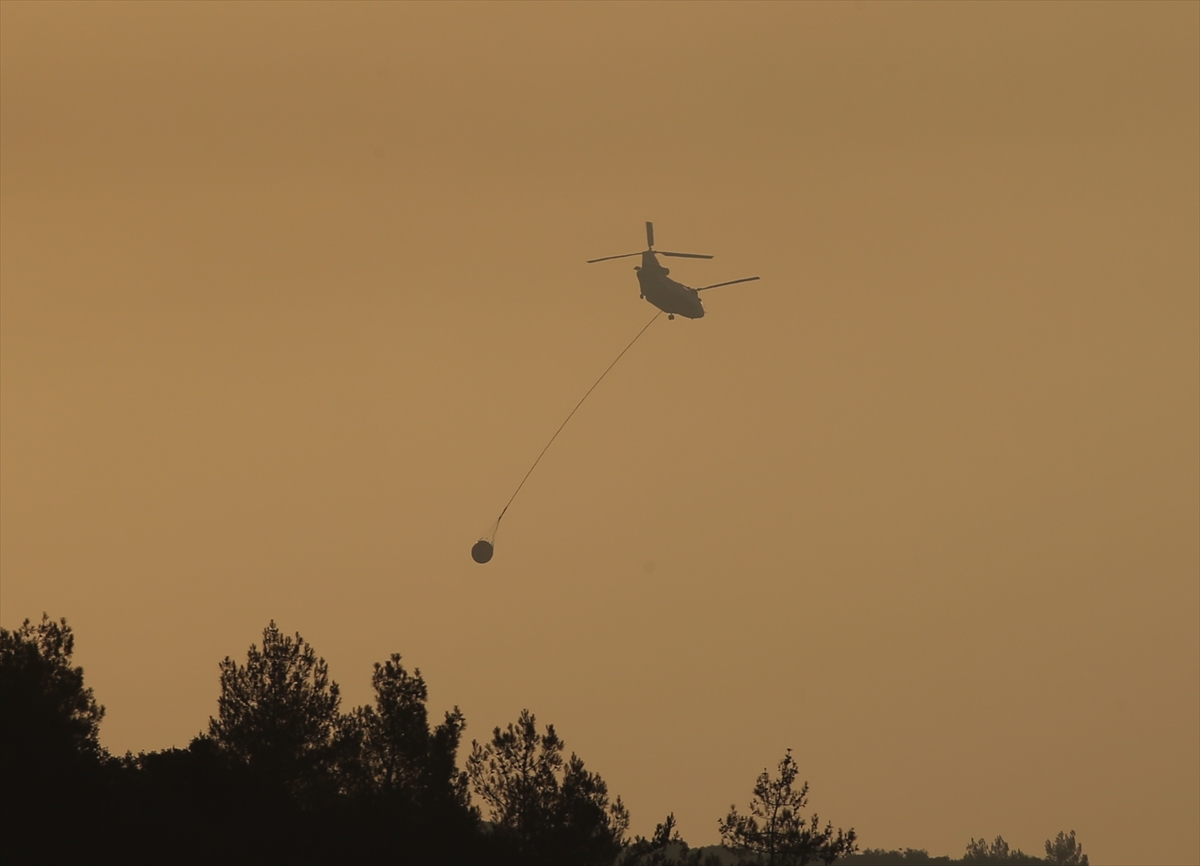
pixel 650 249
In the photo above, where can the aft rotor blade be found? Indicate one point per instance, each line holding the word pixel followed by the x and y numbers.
pixel 683 255
pixel 649 235
pixel 606 258
pixel 730 283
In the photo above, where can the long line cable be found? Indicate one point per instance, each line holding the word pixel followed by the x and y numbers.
pixel 496 525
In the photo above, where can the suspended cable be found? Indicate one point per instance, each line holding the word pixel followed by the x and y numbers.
pixel 482 551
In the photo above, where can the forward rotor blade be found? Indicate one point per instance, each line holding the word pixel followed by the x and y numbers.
pixel 730 283
pixel 606 258
pixel 683 255
pixel 649 235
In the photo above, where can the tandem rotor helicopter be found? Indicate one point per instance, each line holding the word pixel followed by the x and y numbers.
pixel 671 297
pixel 659 289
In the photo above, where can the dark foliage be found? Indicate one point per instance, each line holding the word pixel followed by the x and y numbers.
pixel 905 857
pixel 667 848
pixel 46 707
pixel 1065 851
pixel 775 832
pixel 390 751
pixel 278 714
pixel 51 762
pixel 548 809
pixel 981 853
pixel 284 776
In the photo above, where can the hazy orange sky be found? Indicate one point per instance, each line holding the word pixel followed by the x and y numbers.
pixel 291 295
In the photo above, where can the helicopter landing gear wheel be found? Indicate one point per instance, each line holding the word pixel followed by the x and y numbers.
pixel 671 316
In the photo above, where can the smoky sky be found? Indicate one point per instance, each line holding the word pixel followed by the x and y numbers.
pixel 292 296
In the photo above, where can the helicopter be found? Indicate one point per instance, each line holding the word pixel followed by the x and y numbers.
pixel 659 289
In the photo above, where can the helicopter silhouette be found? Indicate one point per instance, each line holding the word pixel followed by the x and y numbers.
pixel 659 289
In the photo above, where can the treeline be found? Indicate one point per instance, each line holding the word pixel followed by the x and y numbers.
pixel 285 775
pixel 1064 850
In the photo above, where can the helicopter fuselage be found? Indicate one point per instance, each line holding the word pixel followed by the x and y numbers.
pixel 665 293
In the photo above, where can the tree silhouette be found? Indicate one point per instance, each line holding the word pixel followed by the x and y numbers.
pixel 284 777
pixel 51 761
pixel 49 716
pixel 774 829
pixel 979 851
pixel 897 857
pixel 279 712
pixel 664 848
pixel 1065 851
pixel 555 810
pixel 394 753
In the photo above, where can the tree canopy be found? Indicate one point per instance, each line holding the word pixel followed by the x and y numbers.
pixel 1065 851
pixel 548 806
pixel 51 760
pixel 776 830
pixel 279 711
pixel 48 713
pixel 284 775
pixel 398 755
